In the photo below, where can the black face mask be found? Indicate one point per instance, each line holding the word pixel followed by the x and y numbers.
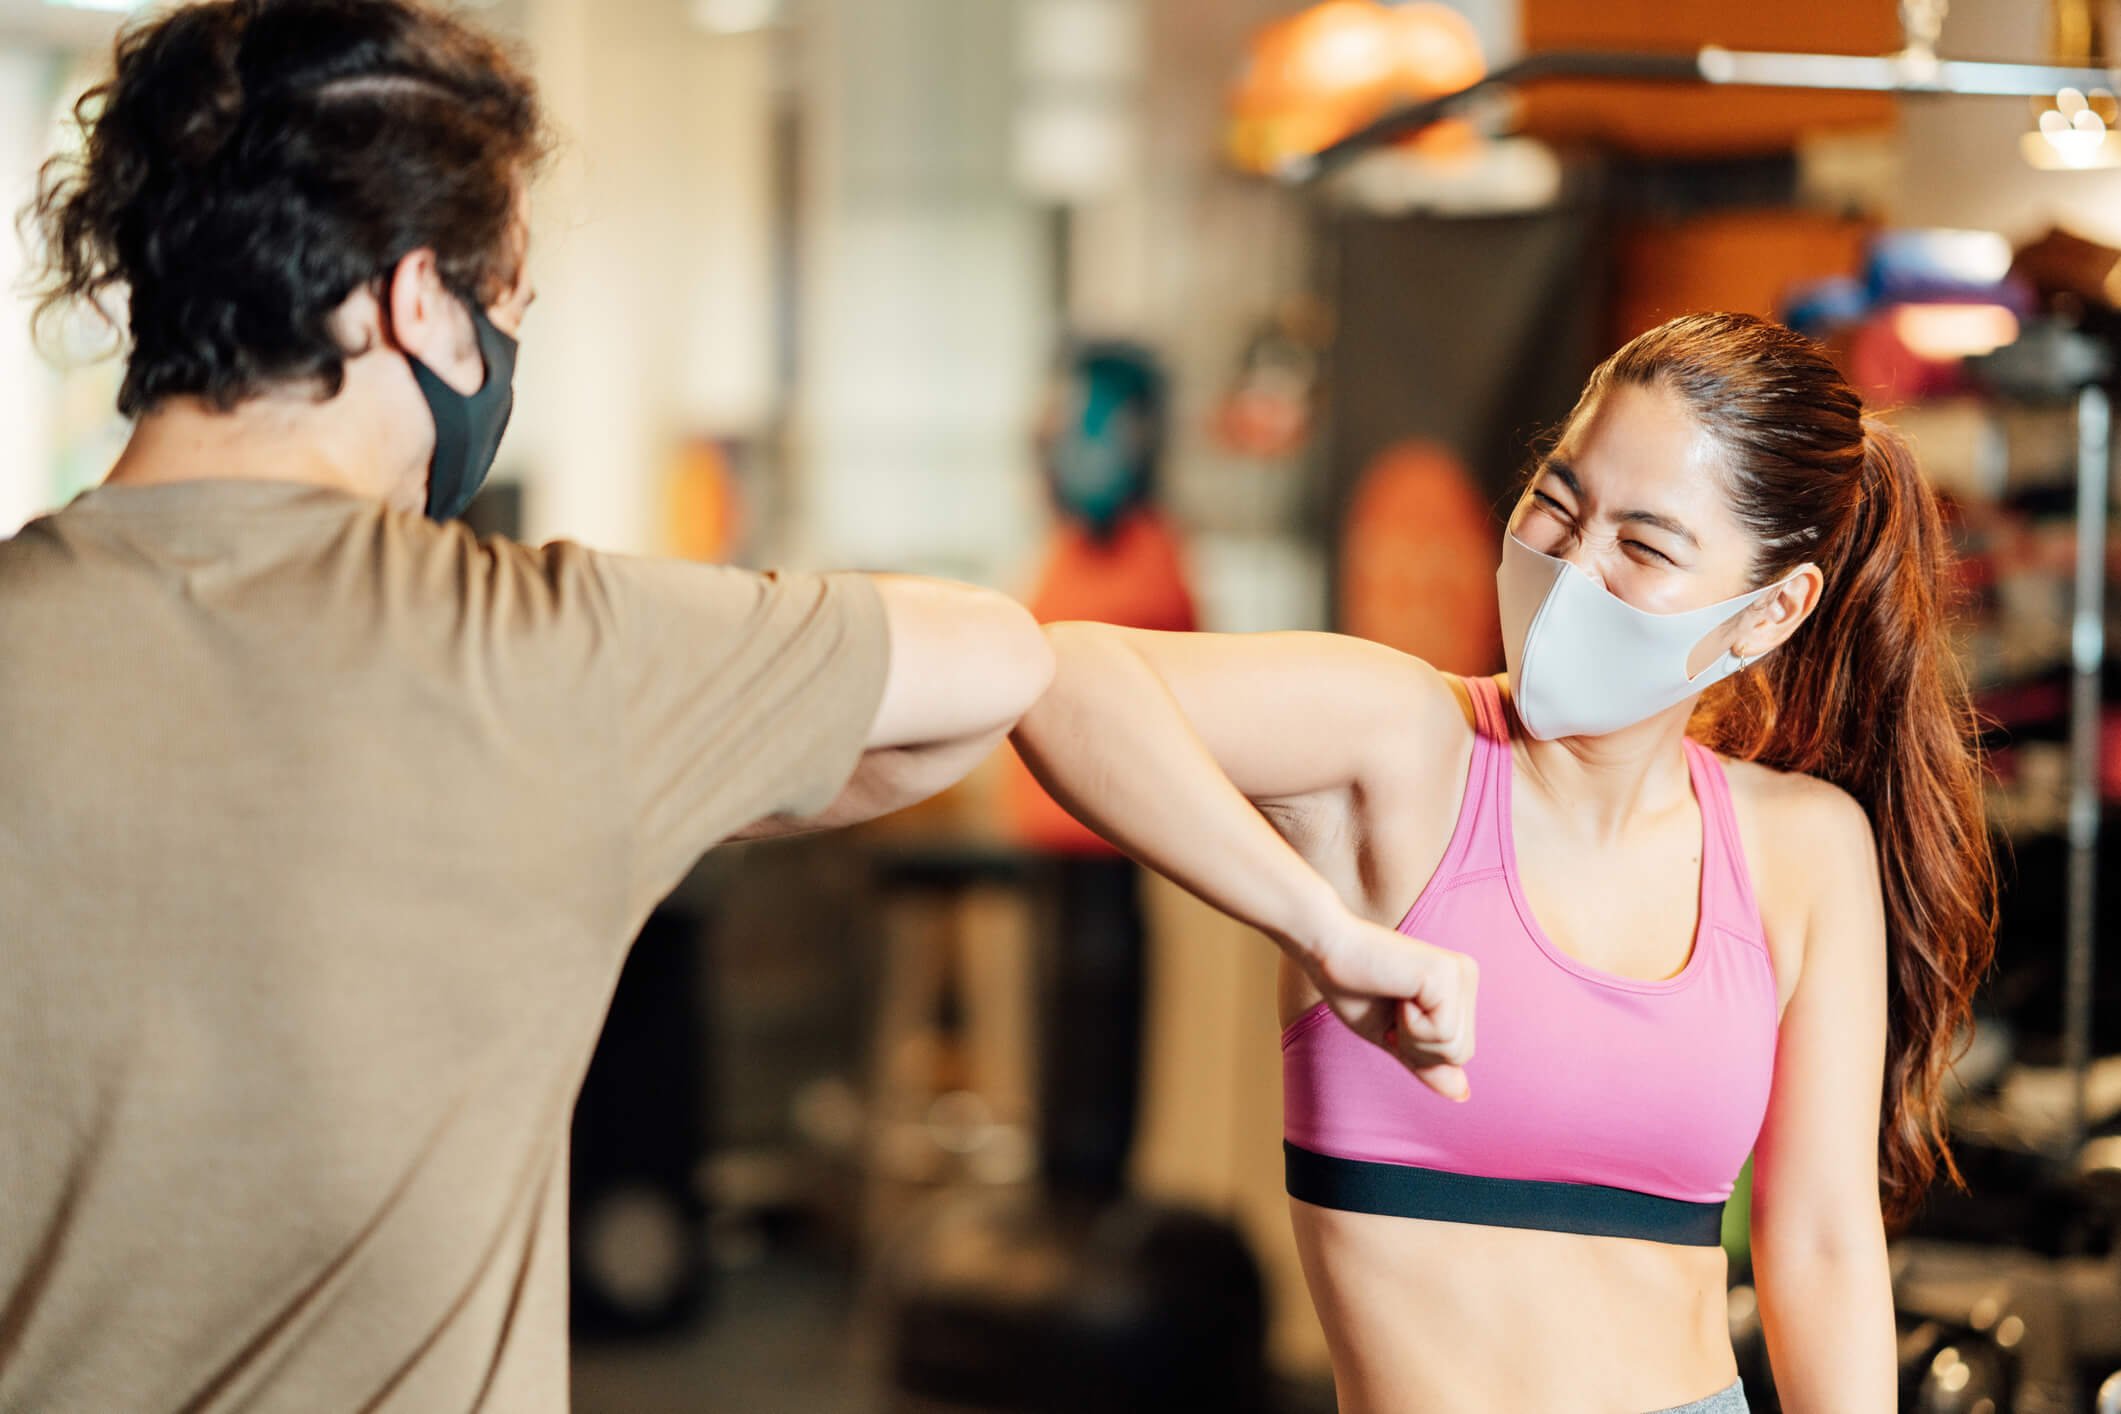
pixel 467 429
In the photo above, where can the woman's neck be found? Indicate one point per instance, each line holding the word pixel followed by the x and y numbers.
pixel 1611 781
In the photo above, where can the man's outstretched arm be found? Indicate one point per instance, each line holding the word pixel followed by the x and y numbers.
pixel 965 663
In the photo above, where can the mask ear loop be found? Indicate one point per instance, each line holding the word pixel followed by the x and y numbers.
pixel 379 287
pixel 1724 665
pixel 1745 661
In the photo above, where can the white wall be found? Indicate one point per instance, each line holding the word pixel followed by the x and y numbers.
pixel 926 310
pixel 27 387
pixel 653 319
pixel 924 320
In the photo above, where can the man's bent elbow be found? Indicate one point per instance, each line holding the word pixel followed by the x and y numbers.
pixel 965 662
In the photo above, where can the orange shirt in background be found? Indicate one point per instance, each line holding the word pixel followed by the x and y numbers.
pixel 1136 579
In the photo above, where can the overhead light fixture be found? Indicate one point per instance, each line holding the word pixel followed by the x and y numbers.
pixel 1311 78
pixel 735 16
pixel 1914 69
pixel 2075 133
pixel 2074 130
pixel 110 6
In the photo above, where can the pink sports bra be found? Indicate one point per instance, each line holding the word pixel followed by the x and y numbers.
pixel 1600 1104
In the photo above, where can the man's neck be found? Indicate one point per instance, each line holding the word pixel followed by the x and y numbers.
pixel 275 437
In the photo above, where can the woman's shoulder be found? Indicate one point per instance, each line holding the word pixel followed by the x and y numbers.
pixel 1425 708
pixel 1441 717
pixel 1808 845
pixel 1804 809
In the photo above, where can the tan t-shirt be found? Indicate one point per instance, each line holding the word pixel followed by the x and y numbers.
pixel 323 832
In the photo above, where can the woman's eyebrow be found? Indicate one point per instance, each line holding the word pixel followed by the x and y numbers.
pixel 1566 475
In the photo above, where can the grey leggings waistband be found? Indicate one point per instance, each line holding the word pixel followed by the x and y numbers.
pixel 1723 1401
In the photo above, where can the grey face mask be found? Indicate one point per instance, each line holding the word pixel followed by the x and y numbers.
pixel 1584 662
pixel 467 429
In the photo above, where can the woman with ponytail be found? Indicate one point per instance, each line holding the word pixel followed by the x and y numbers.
pixel 1713 848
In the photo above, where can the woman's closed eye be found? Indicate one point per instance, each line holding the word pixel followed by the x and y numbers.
pixel 1559 511
pixel 1552 507
pixel 1659 555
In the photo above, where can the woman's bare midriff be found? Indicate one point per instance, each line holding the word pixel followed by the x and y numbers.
pixel 1449 1316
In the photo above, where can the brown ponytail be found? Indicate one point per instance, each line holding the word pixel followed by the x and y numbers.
pixel 1867 694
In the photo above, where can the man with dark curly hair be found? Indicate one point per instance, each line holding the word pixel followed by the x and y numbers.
pixel 324 826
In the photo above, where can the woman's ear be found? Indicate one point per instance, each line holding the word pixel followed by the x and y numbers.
pixel 1769 623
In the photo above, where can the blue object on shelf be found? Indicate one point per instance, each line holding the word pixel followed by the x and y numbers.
pixel 1925 264
pixel 1816 308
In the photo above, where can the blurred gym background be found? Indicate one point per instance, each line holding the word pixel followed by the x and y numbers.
pixel 959 1112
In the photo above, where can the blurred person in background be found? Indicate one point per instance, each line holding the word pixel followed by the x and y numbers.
pixel 1767 931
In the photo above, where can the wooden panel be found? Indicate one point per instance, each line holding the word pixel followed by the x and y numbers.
pixel 1696 120
pixel 1740 260
pixel 1418 558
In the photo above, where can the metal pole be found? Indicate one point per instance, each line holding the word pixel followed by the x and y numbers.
pixel 1896 73
pixel 2087 658
pixel 1914 72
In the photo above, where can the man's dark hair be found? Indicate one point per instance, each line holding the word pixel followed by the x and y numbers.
pixel 251 163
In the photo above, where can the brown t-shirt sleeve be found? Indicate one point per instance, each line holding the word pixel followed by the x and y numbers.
pixel 741 696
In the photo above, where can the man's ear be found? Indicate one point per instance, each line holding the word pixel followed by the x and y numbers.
pixel 423 320
pixel 410 291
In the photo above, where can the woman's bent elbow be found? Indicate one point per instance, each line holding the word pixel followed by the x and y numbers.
pixel 1022 659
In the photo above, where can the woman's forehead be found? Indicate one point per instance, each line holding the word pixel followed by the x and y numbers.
pixel 1643 438
pixel 1639 448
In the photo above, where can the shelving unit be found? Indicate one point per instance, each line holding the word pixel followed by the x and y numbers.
pixel 2066 371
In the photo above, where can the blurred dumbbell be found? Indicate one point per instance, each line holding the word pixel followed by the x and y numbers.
pixel 2097 1172
pixel 1964 1377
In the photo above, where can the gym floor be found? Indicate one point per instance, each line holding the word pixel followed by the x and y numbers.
pixel 778 1338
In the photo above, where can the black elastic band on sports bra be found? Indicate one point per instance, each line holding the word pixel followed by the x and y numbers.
pixel 1404 1191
